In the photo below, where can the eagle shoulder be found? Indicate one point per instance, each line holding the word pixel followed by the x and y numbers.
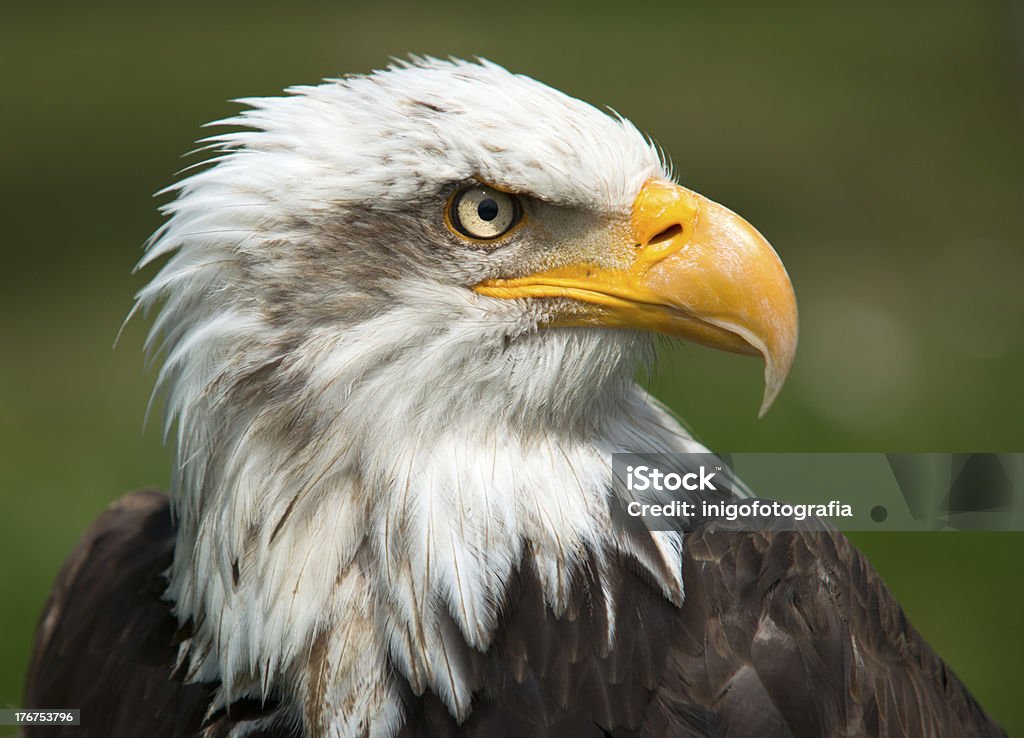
pixel 106 640
pixel 793 633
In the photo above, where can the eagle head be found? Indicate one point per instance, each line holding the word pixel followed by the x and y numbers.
pixel 400 321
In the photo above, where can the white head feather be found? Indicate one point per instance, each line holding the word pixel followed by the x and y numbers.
pixel 366 448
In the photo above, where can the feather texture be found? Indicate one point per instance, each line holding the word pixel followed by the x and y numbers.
pixel 783 633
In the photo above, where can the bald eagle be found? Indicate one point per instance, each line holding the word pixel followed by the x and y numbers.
pixel 400 317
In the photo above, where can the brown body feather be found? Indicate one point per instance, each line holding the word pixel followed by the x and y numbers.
pixel 781 634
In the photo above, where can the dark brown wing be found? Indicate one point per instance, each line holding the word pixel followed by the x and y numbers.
pixel 105 641
pixel 794 634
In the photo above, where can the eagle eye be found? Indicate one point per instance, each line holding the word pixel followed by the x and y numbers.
pixel 483 213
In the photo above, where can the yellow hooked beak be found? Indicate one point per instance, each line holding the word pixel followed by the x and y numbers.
pixel 698 272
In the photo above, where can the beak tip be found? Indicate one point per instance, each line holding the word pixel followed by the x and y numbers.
pixel 776 369
pixel 771 391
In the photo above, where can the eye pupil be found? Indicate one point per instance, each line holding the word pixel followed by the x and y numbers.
pixel 487 209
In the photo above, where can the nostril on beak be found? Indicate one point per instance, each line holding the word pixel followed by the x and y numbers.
pixel 671 232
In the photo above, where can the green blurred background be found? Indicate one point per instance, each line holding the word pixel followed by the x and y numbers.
pixel 879 146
